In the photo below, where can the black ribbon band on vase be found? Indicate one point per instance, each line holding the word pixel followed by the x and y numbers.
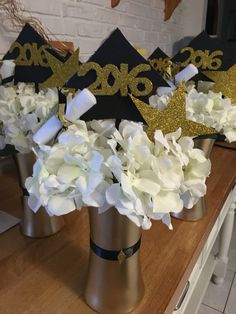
pixel 25 192
pixel 119 256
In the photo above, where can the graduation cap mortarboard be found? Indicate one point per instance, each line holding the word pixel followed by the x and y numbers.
pixel 159 61
pixel 115 51
pixel 28 51
pixel 206 53
pixel 158 54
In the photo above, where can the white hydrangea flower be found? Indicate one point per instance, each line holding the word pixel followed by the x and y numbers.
pixel 153 178
pixel 149 175
pixel 212 110
pixel 22 112
pixel 70 174
pixel 160 102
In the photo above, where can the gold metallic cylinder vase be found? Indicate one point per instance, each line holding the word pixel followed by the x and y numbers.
pixel 205 144
pixel 195 213
pixel 199 210
pixel 40 224
pixel 113 286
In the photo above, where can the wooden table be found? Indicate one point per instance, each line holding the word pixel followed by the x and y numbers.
pixel 48 275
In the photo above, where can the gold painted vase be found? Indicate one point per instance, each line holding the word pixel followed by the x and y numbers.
pixel 113 286
pixel 199 210
pixel 40 224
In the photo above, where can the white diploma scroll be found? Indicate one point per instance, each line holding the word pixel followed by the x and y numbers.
pixel 78 105
pixel 47 131
pixel 7 69
pixel 186 74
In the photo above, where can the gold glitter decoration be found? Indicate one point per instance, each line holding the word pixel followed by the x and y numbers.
pixel 159 64
pixel 133 81
pixel 110 69
pixel 99 86
pixel 202 58
pixel 121 257
pixel 164 65
pixel 61 71
pixel 67 91
pixel 61 116
pixel 123 79
pixel 172 118
pixel 225 82
pixel 29 54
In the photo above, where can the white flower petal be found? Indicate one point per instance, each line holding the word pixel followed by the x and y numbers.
pixel 67 173
pixel 147 186
pixel 34 203
pixel 166 202
pixel 60 205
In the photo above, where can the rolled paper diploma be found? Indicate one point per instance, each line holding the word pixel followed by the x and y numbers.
pixel 186 74
pixel 78 105
pixel 7 69
pixel 166 90
pixel 47 131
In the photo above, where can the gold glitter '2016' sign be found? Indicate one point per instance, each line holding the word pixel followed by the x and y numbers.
pixel 123 79
pixel 109 79
pixel 30 54
pixel 203 58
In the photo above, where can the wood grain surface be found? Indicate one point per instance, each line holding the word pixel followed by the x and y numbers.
pixel 47 276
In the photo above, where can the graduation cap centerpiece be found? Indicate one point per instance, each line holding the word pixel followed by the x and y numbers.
pixel 162 63
pixel 206 53
pixel 214 57
pixel 113 71
pixel 159 60
pixel 29 51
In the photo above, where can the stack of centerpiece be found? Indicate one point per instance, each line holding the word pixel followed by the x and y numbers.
pixel 99 144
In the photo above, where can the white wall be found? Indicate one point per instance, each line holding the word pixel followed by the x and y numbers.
pixel 88 22
pixel 195 16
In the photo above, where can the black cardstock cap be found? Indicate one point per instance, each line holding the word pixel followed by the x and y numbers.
pixel 115 50
pixel 157 59
pixel 204 42
pixel 31 73
pixel 158 53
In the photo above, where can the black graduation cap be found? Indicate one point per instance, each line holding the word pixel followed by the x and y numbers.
pixel 226 58
pixel 115 50
pixel 31 69
pixel 159 58
pixel 158 54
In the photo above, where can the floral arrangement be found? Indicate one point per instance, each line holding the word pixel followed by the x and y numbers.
pixel 96 164
pixel 22 112
pixel 206 107
pixel 213 110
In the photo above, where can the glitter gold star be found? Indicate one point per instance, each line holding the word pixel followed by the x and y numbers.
pixel 225 82
pixel 172 118
pixel 61 71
